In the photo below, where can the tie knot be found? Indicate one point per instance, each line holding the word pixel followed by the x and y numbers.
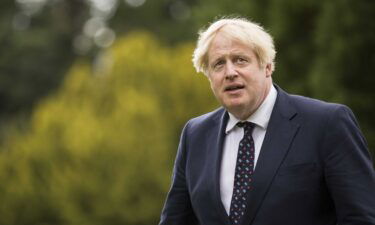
pixel 248 126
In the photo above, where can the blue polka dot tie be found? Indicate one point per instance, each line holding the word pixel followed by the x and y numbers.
pixel 243 173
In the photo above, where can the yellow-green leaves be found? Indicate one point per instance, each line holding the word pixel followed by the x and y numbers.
pixel 100 150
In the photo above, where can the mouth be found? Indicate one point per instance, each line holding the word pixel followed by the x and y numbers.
pixel 234 87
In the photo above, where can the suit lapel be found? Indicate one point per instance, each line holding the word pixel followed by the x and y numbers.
pixel 217 138
pixel 280 133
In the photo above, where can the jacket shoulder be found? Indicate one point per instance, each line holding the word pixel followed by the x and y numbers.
pixel 206 120
pixel 315 107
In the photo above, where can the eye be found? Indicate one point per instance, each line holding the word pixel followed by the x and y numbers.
pixel 241 60
pixel 218 64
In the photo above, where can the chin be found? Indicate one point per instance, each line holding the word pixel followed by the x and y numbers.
pixel 235 103
pixel 233 107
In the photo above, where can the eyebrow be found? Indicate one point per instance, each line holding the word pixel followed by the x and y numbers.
pixel 235 54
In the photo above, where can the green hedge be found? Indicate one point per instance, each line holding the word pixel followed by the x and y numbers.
pixel 100 151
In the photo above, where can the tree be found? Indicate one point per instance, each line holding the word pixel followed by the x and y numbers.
pixel 100 150
pixel 344 61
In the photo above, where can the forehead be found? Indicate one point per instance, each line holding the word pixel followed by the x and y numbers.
pixel 223 45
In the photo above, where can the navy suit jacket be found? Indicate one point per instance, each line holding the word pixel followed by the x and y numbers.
pixel 314 168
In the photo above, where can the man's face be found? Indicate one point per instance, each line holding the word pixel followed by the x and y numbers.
pixel 237 80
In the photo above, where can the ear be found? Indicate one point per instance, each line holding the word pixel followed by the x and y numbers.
pixel 208 75
pixel 209 78
pixel 268 69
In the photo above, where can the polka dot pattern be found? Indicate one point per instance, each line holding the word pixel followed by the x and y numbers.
pixel 243 174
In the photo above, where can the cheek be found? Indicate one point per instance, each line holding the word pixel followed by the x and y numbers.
pixel 212 87
pixel 214 83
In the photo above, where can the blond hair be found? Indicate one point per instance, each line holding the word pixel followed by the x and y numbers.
pixel 239 29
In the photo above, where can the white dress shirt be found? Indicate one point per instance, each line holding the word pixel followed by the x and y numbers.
pixel 234 134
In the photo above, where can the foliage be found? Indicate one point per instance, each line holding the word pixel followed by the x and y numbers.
pixel 85 157
pixel 39 46
pixel 100 150
pixel 342 70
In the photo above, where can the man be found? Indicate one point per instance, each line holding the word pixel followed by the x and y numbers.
pixel 266 157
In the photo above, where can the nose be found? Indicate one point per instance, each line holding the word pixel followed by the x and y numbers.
pixel 230 71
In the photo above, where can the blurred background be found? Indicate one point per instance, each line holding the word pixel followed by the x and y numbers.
pixel 94 94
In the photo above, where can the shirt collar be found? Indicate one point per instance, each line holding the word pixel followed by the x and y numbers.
pixel 261 116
